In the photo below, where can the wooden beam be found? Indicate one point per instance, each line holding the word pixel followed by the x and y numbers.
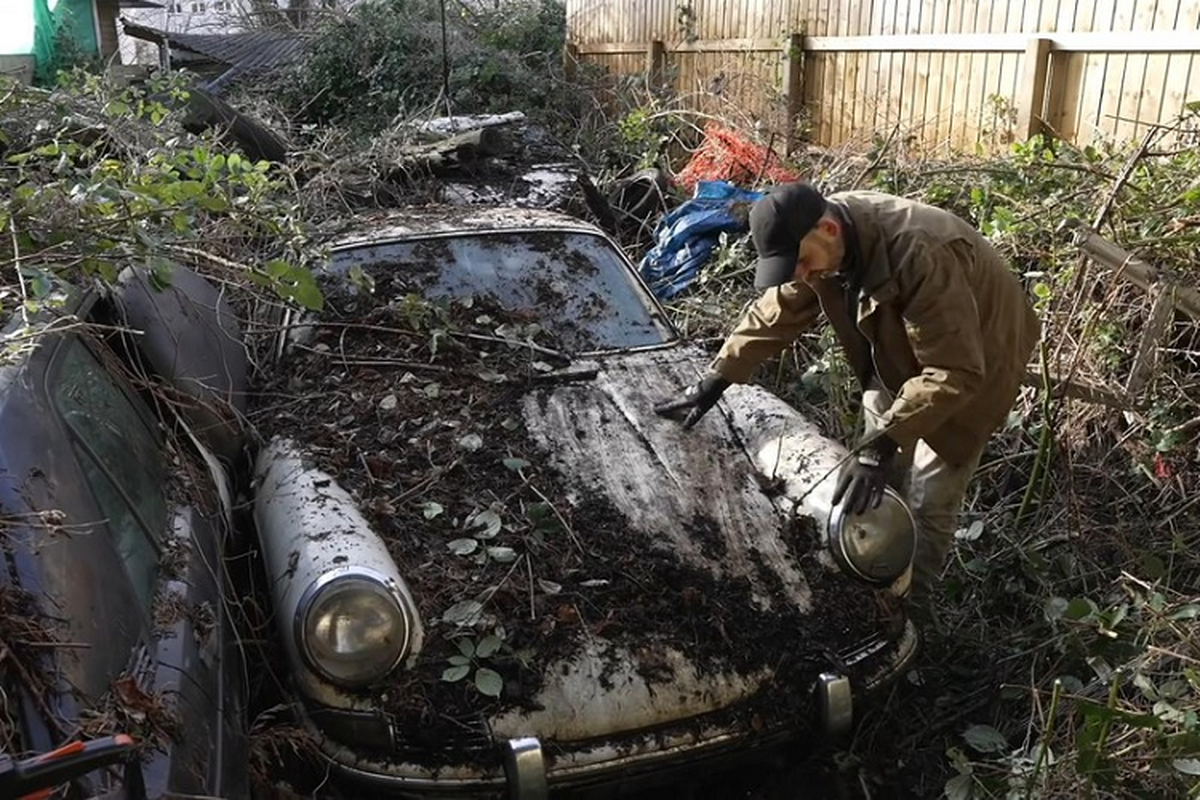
pixel 610 48
pixel 1131 268
pixel 656 59
pixel 793 85
pixel 1031 100
pixel 919 43
pixel 727 46
pixel 1130 42
pixel 570 62
pixel 1158 324
pixel 1089 393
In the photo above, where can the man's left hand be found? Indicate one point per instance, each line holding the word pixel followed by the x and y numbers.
pixel 862 482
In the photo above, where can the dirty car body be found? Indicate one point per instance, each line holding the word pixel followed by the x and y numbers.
pixel 117 423
pixel 651 598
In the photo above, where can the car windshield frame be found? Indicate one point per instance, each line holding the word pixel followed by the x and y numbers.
pixel 649 329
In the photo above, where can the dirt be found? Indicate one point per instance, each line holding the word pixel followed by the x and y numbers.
pixel 415 408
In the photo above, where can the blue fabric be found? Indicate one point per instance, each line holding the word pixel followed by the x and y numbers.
pixel 686 237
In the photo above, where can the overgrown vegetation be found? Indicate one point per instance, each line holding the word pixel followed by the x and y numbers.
pixel 1065 659
pixel 397 59
pixel 96 178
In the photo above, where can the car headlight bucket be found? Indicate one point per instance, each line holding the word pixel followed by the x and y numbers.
pixel 878 545
pixel 352 627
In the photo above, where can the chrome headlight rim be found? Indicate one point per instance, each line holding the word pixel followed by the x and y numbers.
pixel 845 560
pixel 308 602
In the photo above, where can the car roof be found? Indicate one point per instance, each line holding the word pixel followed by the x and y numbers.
pixel 442 220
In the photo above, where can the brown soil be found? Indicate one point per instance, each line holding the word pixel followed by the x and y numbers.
pixel 391 397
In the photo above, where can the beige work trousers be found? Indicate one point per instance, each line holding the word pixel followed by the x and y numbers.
pixel 934 490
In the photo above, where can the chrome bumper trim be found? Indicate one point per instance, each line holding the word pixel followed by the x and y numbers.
pixel 835 704
pixel 525 766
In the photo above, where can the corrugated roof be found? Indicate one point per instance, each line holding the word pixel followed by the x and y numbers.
pixel 252 53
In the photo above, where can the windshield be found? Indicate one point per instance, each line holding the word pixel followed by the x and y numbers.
pixel 574 285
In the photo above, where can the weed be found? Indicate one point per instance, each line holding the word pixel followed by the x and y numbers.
pixel 469 661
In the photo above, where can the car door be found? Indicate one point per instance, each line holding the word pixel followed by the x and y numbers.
pixel 166 521
pixel 128 515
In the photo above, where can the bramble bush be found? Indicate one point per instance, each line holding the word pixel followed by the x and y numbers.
pixel 97 177
pixel 386 61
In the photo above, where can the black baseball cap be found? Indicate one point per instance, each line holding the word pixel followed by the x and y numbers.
pixel 778 222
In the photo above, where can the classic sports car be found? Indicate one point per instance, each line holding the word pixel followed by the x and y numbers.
pixel 497 572
pixel 119 410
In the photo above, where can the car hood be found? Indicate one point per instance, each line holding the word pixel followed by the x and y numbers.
pixel 694 492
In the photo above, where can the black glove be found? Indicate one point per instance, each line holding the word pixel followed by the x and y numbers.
pixel 697 399
pixel 863 480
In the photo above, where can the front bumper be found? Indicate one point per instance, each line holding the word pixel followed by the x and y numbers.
pixel 527 769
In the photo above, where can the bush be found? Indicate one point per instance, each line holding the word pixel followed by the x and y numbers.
pixel 387 60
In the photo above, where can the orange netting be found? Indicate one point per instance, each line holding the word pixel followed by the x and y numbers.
pixel 724 155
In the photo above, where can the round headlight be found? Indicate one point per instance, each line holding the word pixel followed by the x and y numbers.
pixel 876 546
pixel 354 630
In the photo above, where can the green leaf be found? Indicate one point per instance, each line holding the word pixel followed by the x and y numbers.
pixel 431 510
pixel 1188 611
pixel 214 203
pixel 488 520
pixel 516 464
pixel 1042 291
pixel 1153 567
pixel 466 646
pixel 456 673
pixel 488 645
pixel 985 739
pixel 1188 766
pixel 1079 608
pixel 489 682
pixel 960 787
pixel 502 555
pixel 1096 711
pixel 463 547
pixel 971 533
pixel 459 661
pixel 465 613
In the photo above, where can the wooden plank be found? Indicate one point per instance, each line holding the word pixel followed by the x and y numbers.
pixel 1131 268
pixel 656 57
pixel 1098 43
pixel 1094 42
pixel 610 48
pixel 1158 323
pixel 1032 99
pixel 793 86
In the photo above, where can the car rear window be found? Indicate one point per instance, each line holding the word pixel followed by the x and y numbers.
pixel 121 457
pixel 574 285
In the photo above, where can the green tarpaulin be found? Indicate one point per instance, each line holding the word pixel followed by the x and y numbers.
pixel 62 25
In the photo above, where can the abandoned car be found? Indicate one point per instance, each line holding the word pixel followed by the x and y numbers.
pixel 117 420
pixel 496 572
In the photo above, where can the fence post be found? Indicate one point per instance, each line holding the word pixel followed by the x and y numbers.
pixel 793 85
pixel 656 56
pixel 570 61
pixel 1031 94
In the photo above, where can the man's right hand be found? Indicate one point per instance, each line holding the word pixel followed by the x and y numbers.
pixel 696 400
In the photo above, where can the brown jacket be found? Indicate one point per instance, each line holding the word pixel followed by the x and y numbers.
pixel 941 320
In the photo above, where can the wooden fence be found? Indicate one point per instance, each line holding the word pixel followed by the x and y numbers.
pixel 948 73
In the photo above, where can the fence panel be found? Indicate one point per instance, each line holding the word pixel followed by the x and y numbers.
pixel 952 74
